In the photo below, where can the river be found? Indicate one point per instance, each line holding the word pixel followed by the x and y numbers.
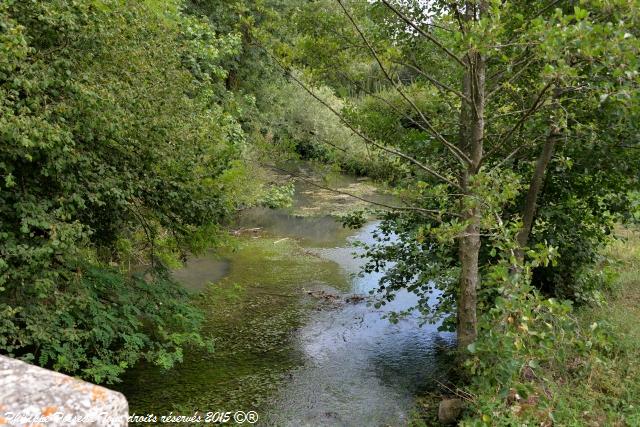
pixel 294 340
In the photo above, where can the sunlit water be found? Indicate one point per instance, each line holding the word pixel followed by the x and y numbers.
pixel 296 360
pixel 360 368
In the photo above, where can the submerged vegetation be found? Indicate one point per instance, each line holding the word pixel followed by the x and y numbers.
pixel 133 135
pixel 257 298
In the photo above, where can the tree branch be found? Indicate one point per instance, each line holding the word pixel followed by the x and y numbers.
pixel 456 12
pixel 424 33
pixel 452 148
pixel 510 79
pixel 395 152
pixel 516 150
pixel 544 9
pixel 436 82
pixel 529 209
pixel 520 122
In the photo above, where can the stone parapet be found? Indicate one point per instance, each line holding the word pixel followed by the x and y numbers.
pixel 30 395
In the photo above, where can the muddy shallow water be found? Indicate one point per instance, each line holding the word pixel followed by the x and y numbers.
pixel 288 345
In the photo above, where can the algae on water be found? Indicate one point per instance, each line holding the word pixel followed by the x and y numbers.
pixel 251 315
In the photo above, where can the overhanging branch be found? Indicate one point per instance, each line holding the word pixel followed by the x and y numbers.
pixel 424 33
pixel 365 138
pixel 451 147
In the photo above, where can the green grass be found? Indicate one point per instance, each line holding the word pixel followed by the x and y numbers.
pixel 610 396
pixel 586 374
pixel 601 387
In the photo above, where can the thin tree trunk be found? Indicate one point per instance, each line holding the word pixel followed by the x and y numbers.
pixel 472 136
pixel 529 210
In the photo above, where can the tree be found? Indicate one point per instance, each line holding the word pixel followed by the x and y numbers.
pixel 516 82
pixel 112 135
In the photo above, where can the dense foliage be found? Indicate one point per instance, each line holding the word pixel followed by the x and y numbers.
pixel 565 67
pixel 132 132
pixel 539 361
pixel 111 127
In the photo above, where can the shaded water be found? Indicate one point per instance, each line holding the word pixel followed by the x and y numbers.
pixel 294 358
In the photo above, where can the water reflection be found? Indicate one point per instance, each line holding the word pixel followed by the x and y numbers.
pixel 344 364
pixel 361 369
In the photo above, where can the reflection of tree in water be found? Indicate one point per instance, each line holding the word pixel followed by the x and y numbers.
pixel 360 366
pixel 417 363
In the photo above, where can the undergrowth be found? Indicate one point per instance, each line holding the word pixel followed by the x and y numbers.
pixel 539 362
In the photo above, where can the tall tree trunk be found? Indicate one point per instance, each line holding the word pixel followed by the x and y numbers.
pixel 472 136
pixel 529 209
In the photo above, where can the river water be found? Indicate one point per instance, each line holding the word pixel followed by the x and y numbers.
pixel 294 342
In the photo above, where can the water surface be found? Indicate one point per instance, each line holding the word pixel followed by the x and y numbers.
pixel 291 343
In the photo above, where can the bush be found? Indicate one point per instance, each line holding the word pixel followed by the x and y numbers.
pixel 538 361
pixel 100 323
pixel 109 126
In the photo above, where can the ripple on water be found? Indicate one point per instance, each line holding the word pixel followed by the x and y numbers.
pixel 360 368
pixel 346 365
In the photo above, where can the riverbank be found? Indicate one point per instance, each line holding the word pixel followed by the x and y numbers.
pixel 589 377
pixel 611 394
pixel 589 374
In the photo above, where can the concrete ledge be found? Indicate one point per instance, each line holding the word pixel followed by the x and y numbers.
pixel 30 395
